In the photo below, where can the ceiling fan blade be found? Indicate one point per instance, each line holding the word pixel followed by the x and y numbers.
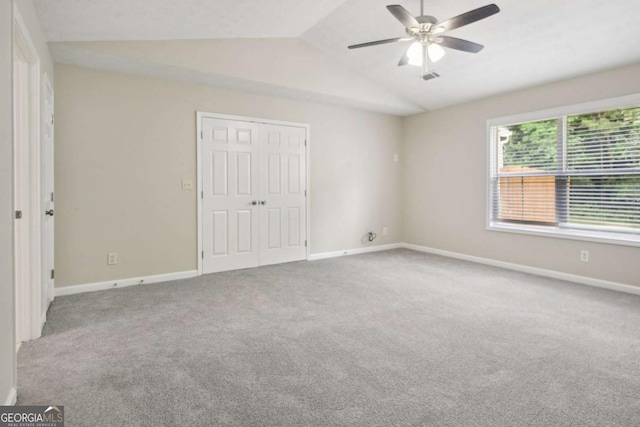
pixel 466 18
pixel 403 15
pixel 459 44
pixel 377 42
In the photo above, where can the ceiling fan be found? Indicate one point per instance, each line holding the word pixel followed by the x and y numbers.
pixel 427 33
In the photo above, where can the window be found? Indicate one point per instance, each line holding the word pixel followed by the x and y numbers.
pixel 571 175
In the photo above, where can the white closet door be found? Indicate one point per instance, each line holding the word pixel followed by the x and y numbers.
pixel 282 190
pixel 230 188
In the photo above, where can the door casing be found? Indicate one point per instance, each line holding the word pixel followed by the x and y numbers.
pixel 47 195
pixel 199 116
pixel 31 192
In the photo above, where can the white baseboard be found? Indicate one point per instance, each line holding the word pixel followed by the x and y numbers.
pixel 100 286
pixel 11 398
pixel 91 287
pixel 324 255
pixel 532 270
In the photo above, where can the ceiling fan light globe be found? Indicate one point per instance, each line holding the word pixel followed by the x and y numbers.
pixel 436 52
pixel 414 53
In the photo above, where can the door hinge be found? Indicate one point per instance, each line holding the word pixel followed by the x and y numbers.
pixel 202 254
pixel 305 243
pixel 53 274
pixel 201 135
pixel 52 196
pixel 18 214
pixel 52 120
pixel 305 142
pixel 305 193
pixel 202 194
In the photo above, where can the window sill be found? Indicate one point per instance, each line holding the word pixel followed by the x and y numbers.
pixel 571 234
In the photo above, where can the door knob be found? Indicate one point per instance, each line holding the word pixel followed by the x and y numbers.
pixel 254 202
pixel 263 202
pixel 49 212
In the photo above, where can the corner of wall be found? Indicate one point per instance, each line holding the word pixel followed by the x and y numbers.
pixel 403 178
pixel 7 319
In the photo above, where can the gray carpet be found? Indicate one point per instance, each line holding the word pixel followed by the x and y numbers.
pixel 394 338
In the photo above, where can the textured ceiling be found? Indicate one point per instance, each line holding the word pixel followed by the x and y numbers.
pixel 93 20
pixel 527 43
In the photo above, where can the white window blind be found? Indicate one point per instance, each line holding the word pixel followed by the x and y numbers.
pixel 574 172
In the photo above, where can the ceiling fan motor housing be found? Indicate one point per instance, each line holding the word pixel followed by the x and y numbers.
pixel 427 19
pixel 422 32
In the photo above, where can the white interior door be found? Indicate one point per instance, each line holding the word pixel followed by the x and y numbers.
pixel 230 195
pixel 282 190
pixel 27 107
pixel 47 197
pixel 21 196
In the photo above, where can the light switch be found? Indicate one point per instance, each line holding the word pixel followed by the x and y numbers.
pixel 396 158
pixel 187 184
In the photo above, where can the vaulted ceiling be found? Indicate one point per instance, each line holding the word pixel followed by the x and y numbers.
pixel 298 48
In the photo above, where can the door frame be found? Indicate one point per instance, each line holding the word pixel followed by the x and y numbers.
pixel 33 318
pixel 201 115
pixel 47 286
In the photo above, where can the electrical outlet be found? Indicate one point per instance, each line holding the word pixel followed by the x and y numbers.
pixel 584 255
pixel 385 231
pixel 112 258
pixel 187 184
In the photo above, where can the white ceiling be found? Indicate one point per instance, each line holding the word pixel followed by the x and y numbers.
pixel 527 43
pixel 91 20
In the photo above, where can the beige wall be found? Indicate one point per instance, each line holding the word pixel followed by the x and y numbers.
pixel 444 182
pixel 125 142
pixel 7 322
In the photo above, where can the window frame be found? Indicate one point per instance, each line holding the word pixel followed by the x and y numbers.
pixel 616 238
